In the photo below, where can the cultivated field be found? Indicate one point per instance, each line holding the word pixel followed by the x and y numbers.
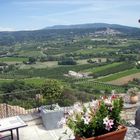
pixel 124 80
pixel 13 59
pixel 119 75
pixel 40 65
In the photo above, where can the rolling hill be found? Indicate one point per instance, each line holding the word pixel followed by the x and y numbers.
pixel 65 32
pixel 89 25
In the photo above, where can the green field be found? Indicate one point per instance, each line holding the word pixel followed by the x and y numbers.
pixel 13 59
pixel 118 75
pixel 93 85
pixel 6 80
pixel 35 81
pixel 31 53
pixel 39 65
pixel 95 50
pixel 84 61
pixel 101 68
pixel 55 73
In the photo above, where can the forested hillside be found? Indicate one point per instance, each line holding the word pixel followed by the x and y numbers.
pixel 65 33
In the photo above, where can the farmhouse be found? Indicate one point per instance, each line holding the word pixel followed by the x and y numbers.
pixel 75 74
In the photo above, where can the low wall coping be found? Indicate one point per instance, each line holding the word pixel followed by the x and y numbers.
pixel 129 106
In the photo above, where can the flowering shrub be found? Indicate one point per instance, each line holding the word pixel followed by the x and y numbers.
pixel 96 118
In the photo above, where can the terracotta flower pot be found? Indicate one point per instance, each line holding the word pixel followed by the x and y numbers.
pixel 134 99
pixel 115 135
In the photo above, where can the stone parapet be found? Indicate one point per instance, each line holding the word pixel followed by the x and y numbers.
pixel 129 111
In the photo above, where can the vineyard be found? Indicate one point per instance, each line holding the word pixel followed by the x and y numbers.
pixel 114 69
pixel 91 86
pixel 119 75
pixel 104 67
pixel 13 59
pixel 56 73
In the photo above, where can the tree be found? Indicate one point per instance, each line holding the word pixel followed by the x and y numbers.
pixel 67 61
pixel 16 85
pixel 52 89
pixel 32 60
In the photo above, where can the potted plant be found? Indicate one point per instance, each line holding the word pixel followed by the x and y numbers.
pixel 133 92
pixel 99 120
pixel 52 113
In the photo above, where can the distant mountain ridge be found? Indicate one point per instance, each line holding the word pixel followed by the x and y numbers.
pixel 67 32
pixel 88 25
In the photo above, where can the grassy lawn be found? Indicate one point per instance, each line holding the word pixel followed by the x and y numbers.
pixel 119 75
pixel 13 59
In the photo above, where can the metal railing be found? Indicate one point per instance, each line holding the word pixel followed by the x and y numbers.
pixel 20 103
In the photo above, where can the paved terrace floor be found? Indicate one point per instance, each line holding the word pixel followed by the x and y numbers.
pixel 38 132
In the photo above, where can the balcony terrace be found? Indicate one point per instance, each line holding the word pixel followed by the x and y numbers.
pixel 36 131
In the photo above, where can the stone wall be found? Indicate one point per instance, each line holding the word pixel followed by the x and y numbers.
pixel 128 114
pixel 129 111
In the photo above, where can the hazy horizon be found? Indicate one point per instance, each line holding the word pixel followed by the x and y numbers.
pixel 37 14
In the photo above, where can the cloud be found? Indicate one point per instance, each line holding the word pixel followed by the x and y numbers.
pixel 6 29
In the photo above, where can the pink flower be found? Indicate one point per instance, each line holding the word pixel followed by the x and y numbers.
pixel 108 102
pixel 108 123
pixel 94 103
pixel 113 96
pixel 110 108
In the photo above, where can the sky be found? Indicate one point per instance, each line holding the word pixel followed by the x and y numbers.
pixel 37 14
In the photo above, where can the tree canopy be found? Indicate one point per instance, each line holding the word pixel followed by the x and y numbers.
pixel 52 89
